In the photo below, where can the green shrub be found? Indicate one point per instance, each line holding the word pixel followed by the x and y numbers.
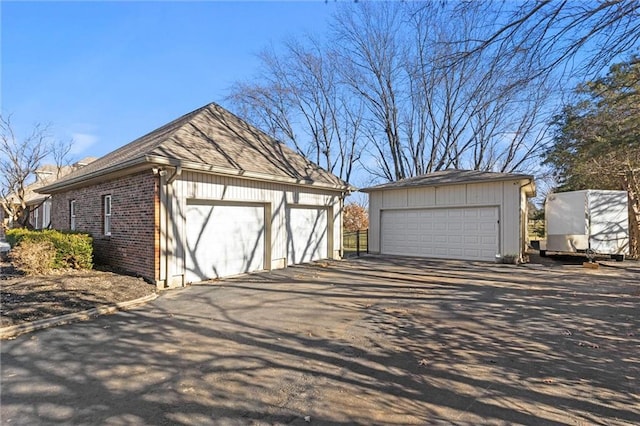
pixel 33 257
pixel 72 249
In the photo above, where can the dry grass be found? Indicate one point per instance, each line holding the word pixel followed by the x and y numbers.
pixel 29 298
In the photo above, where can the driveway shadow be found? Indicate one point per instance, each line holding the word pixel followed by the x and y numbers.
pixel 367 341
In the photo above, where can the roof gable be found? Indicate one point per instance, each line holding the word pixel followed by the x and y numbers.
pixel 209 137
pixel 215 136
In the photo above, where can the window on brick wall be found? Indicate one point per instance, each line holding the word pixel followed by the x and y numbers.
pixel 72 215
pixel 107 214
pixel 46 214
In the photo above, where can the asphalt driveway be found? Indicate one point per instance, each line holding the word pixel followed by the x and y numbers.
pixel 367 341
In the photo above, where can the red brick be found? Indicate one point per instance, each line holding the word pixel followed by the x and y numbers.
pixel 133 245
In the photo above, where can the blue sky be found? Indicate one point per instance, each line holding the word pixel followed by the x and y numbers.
pixel 105 73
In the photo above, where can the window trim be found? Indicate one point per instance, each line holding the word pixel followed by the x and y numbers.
pixel 35 218
pixel 106 214
pixel 72 215
pixel 46 214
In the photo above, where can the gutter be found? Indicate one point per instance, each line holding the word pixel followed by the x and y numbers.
pixel 533 186
pixel 64 184
pixel 243 174
pixel 148 161
pixel 391 185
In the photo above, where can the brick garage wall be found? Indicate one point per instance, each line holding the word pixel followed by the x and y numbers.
pixel 134 209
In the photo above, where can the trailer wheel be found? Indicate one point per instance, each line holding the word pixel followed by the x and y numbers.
pixel 543 253
pixel 618 257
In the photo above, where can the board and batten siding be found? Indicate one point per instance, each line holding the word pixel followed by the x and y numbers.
pixel 276 198
pixel 506 195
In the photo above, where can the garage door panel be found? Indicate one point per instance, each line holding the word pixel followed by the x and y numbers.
pixel 457 233
pixel 455 227
pixel 308 235
pixel 488 213
pixel 471 227
pixel 473 253
pixel 487 227
pixel 223 240
pixel 471 239
pixel 456 239
pixel 488 240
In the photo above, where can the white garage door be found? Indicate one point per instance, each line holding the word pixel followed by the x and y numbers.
pixel 307 235
pixel 469 233
pixel 223 240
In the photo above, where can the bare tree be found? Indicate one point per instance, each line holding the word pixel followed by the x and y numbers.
pixel 570 36
pixel 300 99
pixel 429 109
pixel 20 158
pixel 425 86
pixel 371 57
pixel 61 155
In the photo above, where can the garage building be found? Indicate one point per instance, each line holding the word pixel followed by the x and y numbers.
pixel 451 214
pixel 205 196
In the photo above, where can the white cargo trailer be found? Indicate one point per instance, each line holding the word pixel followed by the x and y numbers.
pixel 590 221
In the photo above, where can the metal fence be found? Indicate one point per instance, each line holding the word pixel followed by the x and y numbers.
pixel 355 243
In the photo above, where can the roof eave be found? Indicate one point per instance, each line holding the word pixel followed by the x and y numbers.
pixel 147 161
pixel 462 182
pixel 243 174
pixel 121 169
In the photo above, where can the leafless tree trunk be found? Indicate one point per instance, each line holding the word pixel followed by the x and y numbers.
pixel 371 57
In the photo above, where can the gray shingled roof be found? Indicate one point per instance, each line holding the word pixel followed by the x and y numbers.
pixel 210 137
pixel 449 177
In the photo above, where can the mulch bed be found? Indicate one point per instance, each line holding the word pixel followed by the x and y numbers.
pixel 24 299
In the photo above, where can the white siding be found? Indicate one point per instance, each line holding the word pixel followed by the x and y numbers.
pixel 506 195
pixel 422 197
pixel 451 195
pixel 395 198
pixel 276 198
pixel 483 193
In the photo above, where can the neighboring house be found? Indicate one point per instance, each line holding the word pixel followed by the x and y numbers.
pixel 204 196
pixel 451 214
pixel 40 204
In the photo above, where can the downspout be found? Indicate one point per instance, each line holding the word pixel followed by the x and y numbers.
pixel 162 220
pixel 169 237
pixel 525 222
pixel 165 194
pixel 342 198
pixel 176 173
